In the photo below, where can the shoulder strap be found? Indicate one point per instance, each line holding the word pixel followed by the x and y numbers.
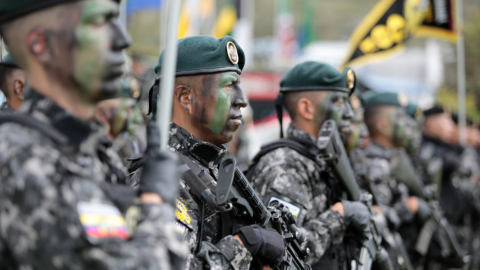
pixel 28 121
pixel 304 147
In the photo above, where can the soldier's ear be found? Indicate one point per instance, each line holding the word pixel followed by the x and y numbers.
pixel 183 95
pixel 38 43
pixel 306 108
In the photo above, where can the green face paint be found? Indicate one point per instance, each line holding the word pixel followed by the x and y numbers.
pixel 332 106
pixel 97 63
pixel 222 106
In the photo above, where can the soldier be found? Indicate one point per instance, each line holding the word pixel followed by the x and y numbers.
pixel 56 209
pixel 12 82
pixel 124 121
pixel 206 114
pixel 312 93
pixel 385 118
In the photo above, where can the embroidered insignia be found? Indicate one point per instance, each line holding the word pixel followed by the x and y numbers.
pixel 102 220
pixel 181 213
pixel 350 79
pixel 232 52
pixel 402 99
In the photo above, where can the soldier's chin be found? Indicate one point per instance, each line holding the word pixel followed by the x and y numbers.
pixel 109 89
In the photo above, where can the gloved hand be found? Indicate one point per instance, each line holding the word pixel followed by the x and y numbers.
pixel 392 217
pixel 357 215
pixel 267 245
pixel 160 173
pixel 423 212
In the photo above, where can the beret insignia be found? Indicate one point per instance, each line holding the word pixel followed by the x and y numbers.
pixel 402 99
pixel 350 79
pixel 232 52
pixel 355 101
pixel 135 88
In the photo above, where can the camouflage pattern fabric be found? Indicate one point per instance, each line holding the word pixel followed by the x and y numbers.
pixel 216 252
pixel 390 192
pixel 286 175
pixel 4 108
pixel 54 213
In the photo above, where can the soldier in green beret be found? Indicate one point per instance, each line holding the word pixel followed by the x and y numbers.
pixel 206 114
pixel 124 120
pixel 312 93
pixel 12 83
pixel 387 121
pixel 59 207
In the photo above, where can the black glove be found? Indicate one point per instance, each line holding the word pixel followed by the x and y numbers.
pixel 423 212
pixel 160 168
pixel 357 215
pixel 267 245
pixel 392 217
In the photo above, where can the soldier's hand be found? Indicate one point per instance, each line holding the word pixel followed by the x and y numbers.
pixel 267 245
pixel 160 168
pixel 424 211
pixel 357 215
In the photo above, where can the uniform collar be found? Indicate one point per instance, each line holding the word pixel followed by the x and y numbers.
pixel 294 132
pixel 183 142
pixel 84 135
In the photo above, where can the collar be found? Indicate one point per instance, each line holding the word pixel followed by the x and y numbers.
pixel 183 142
pixel 294 132
pixel 84 135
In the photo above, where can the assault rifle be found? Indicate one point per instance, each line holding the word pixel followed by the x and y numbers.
pixel 234 193
pixel 393 238
pixel 333 153
pixel 404 171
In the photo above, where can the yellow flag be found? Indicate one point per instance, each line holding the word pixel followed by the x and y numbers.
pixel 225 21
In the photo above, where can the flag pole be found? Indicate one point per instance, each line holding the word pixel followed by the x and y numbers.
pixel 461 78
pixel 169 64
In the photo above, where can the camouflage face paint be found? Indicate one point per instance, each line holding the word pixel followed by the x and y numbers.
pixel 97 54
pixel 216 110
pixel 356 134
pixel 333 106
pixel 412 139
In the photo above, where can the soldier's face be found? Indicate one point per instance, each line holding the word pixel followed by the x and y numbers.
pixel 413 136
pixel 88 49
pixel 334 106
pixel 357 137
pixel 216 107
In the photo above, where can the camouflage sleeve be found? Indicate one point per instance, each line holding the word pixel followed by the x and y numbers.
pixel 322 227
pixel 41 226
pixel 227 254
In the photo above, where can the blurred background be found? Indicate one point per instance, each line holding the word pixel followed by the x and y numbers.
pixel 277 34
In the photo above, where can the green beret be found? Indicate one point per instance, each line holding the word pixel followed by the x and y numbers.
pixel 9 62
pixel 205 55
pixel 316 76
pixel 373 98
pixel 13 9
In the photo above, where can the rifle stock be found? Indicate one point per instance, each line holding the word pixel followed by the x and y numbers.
pixel 333 153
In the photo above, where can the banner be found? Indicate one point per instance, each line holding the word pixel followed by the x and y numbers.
pixel 440 21
pixel 384 29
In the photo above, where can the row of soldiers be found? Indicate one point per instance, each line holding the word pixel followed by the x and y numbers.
pixel 67 201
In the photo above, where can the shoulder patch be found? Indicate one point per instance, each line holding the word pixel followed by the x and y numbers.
pixel 101 220
pixel 293 209
pixel 181 213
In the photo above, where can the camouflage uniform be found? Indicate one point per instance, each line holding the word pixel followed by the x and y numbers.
pixel 4 108
pixel 216 252
pixel 458 183
pixel 390 192
pixel 287 175
pixel 53 210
